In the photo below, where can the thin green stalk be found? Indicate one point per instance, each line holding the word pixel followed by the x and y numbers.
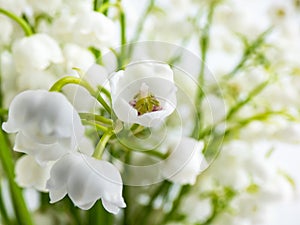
pixel 122 18
pixel 104 7
pixel 94 117
pixel 22 214
pixel 102 102
pixel 99 216
pixel 258 117
pixel 73 212
pixel 3 111
pixel 220 204
pixel 58 85
pixel 154 153
pixel 204 44
pixel 236 108
pixel 249 51
pixel 144 213
pixel 126 191
pixel 74 80
pixel 251 95
pixel 140 25
pixel 96 125
pixel 123 38
pixel 101 145
pixel 184 190
pixel 105 91
pixel 141 22
pixel 23 24
pixel 3 213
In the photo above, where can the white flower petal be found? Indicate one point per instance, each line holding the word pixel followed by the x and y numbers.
pixel 86 180
pixel 185 162
pixel 125 85
pixel 36 52
pixel 47 124
pixel 57 195
pixel 42 152
pixel 30 174
pixel 110 207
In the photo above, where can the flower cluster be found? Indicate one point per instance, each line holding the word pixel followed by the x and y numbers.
pixel 177 130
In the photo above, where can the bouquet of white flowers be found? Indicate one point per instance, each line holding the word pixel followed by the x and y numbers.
pixel 146 112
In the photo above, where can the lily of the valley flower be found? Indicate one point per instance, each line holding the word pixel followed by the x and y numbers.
pixel 31 174
pixel 185 161
pixel 94 29
pixel 143 93
pixel 46 124
pixel 85 180
pixel 36 52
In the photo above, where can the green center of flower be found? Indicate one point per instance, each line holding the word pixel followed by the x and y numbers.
pixel 144 101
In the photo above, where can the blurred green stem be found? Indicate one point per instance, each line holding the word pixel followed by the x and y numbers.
pixel 101 144
pixel 204 44
pixel 74 80
pixel 25 26
pixel 123 35
pixel 248 52
pixel 139 28
pixel 4 216
pixel 99 216
pixel 22 214
pixel 98 118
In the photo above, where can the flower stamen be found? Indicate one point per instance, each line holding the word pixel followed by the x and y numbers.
pixel 144 101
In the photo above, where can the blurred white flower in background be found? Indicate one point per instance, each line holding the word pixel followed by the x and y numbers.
pixel 36 52
pixel 185 160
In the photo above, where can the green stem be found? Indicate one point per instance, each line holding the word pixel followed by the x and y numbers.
pixel 3 111
pixel 74 80
pixel 20 208
pixel 145 212
pixel 258 117
pixel 101 145
pixel 123 38
pixel 97 118
pixel 204 44
pixel 99 216
pixel 249 51
pixel 236 108
pixel 25 26
pixel 3 216
pixel 126 191
pixel 251 95
pixel 220 203
pixel 140 25
pixel 104 7
pixel 96 125
pixel 58 85
pixel 184 190
pixel 154 153
pixel 104 91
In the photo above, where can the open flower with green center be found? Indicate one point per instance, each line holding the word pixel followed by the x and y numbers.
pixel 143 93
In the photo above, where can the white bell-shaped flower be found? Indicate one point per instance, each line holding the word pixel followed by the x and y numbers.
pixel 46 124
pixel 143 93
pixel 94 29
pixel 85 180
pixel 185 161
pixel 36 52
pixel 30 174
